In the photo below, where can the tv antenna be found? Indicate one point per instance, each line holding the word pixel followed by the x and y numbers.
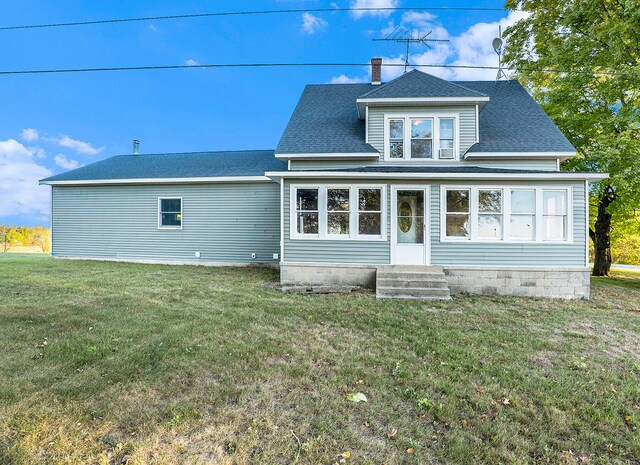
pixel 403 35
pixel 497 47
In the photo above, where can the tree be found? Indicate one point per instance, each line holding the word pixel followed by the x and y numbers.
pixel 597 108
pixel 4 238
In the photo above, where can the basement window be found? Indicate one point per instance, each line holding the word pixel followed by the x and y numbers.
pixel 170 213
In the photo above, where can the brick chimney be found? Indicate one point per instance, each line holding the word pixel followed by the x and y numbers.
pixel 376 71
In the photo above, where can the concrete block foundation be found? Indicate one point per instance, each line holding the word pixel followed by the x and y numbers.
pixel 562 283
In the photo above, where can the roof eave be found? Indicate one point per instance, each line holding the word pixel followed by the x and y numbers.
pixel 550 176
pixel 362 103
pixel 329 156
pixel 188 180
pixel 519 155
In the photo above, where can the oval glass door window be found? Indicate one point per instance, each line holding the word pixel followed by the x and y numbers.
pixel 405 217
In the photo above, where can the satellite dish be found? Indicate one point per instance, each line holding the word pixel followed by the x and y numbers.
pixel 497 45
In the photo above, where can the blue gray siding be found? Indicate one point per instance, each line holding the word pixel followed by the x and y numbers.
pixel 549 165
pixel 466 115
pixel 499 253
pixel 447 253
pixel 332 251
pixel 224 222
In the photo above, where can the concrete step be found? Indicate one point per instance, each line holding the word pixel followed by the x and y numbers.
pixel 412 297
pixel 409 268
pixel 415 291
pixel 411 282
pixel 409 275
pixel 435 281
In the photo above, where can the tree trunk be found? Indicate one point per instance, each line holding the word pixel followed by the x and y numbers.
pixel 601 235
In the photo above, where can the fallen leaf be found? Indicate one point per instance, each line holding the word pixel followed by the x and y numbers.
pixel 346 454
pixel 410 450
pixel 357 397
pixel 392 432
pixel 505 401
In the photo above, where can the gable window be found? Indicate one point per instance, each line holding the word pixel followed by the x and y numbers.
pixel 416 137
pixel 510 214
pixel 338 212
pixel 369 212
pixel 396 138
pixel 421 138
pixel 457 213
pixel 523 214
pixel 170 213
pixel 490 213
pixel 446 139
pixel 554 215
pixel 307 211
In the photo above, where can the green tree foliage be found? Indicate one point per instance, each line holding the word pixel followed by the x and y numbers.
pixel 599 113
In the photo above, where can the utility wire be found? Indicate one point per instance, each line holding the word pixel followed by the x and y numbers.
pixel 240 13
pixel 308 65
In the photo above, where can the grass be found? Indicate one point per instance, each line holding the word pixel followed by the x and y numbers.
pixel 114 363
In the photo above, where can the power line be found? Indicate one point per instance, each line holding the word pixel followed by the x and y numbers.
pixel 308 65
pixel 240 13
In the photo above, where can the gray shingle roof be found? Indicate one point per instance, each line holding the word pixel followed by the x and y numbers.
pixel 326 121
pixel 415 84
pixel 177 165
pixel 513 122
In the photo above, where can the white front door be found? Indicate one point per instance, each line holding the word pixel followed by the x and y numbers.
pixel 409 229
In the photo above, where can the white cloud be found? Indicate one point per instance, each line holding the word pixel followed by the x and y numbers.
pixel 312 24
pixel 417 18
pixel 344 79
pixel 20 193
pixel 66 163
pixel 471 48
pixel 79 146
pixel 29 135
pixel 373 4
pixel 191 62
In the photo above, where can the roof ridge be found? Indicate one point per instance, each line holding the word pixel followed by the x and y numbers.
pixel 452 83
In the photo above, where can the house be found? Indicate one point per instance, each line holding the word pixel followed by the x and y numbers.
pixel 419 186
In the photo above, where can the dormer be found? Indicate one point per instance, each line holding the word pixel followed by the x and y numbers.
pixel 418 117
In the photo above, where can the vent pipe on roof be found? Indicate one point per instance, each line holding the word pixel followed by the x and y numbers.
pixel 376 71
pixel 136 147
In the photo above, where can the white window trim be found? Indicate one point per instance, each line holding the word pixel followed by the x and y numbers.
pixel 174 228
pixel 322 213
pixel 435 116
pixel 506 213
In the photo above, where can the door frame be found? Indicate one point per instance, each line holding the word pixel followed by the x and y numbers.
pixel 427 219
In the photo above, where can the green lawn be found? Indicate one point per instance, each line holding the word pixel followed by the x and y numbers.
pixel 139 364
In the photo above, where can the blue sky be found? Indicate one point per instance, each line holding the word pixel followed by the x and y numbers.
pixel 51 123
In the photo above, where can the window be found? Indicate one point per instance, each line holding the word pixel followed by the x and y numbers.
pixel 370 212
pixel 457 213
pixel 554 215
pixel 421 138
pixel 446 138
pixel 513 214
pixel 416 137
pixel 490 213
pixel 338 212
pixel 396 138
pixel 170 213
pixel 307 211
pixel 523 214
